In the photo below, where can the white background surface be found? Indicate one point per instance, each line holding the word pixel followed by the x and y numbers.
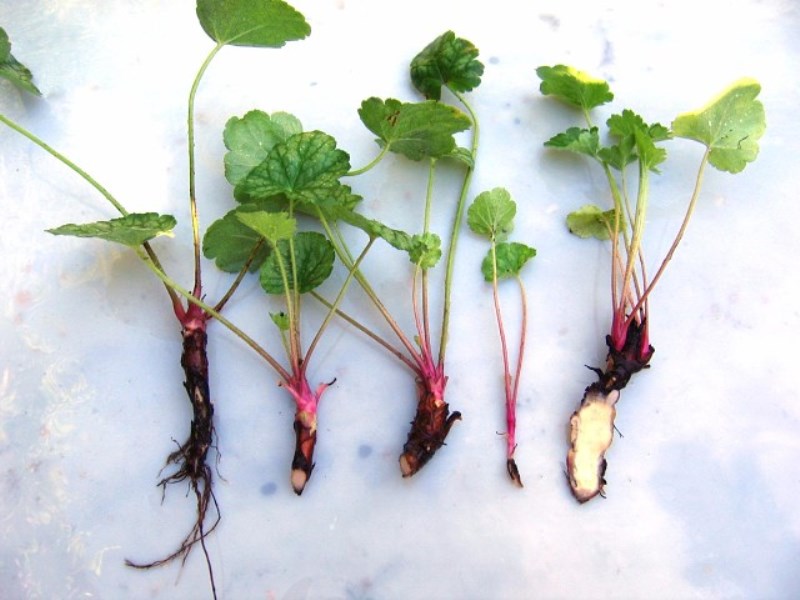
pixel 702 487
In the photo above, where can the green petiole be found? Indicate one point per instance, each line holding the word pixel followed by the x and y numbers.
pixel 458 219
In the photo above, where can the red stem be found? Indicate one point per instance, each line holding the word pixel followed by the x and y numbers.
pixel 425 360
pixel 511 417
pixel 512 443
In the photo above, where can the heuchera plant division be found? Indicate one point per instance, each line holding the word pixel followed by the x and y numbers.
pixel 279 172
pixel 269 23
pixel 424 131
pixel 729 128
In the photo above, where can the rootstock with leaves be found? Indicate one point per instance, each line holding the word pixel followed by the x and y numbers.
pixel 295 210
pixel 728 128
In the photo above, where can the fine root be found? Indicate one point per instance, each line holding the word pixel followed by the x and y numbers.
pixel 191 457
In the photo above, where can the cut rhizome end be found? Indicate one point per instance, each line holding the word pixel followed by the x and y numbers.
pixel 305 429
pixel 591 431
pixel 513 472
pixel 429 429
pixel 303 461
pixel 591 427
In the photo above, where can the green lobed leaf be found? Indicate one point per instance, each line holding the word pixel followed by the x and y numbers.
pixel 250 138
pixel 305 168
pixel 628 122
pixel 13 70
pixel 575 139
pixel 573 86
pixel 330 199
pixel 416 130
pixel 729 126
pixel 375 229
pixel 447 61
pixel 492 213
pixel 426 250
pixel 591 221
pixel 511 257
pixel 625 123
pixel 262 23
pixel 272 226
pixel 313 259
pixel 131 230
pixel 229 242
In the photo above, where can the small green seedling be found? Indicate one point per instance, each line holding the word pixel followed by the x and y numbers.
pixel 491 215
pixel 269 23
pixel 729 127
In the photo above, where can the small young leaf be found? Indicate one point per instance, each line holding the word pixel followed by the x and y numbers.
pixel 273 227
pixel 575 139
pixel 305 168
pixel 12 69
pixel 447 61
pixel 229 242
pixel 628 122
pixel 511 257
pixel 591 221
pixel 416 130
pixel 314 256
pixel 281 320
pixel 730 126
pixel 250 138
pixel 574 87
pixel 625 123
pixel 131 230
pixel 492 214
pixel 637 140
pixel 649 154
pixel 462 155
pixel 262 23
pixel 426 250
pixel 620 155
